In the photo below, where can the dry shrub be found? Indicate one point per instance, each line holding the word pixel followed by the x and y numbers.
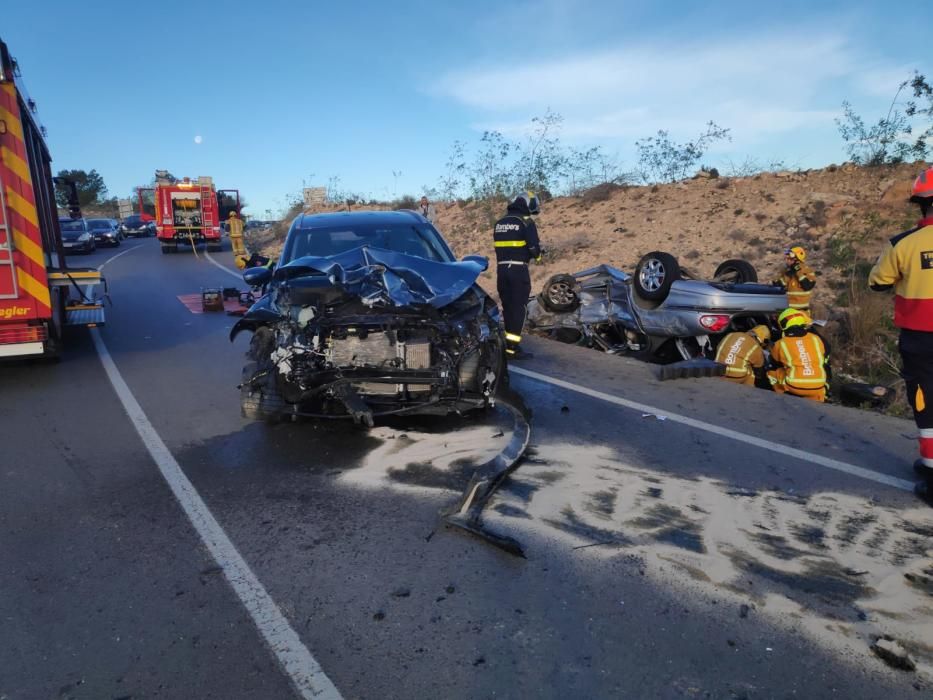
pixel 865 342
pixel 600 193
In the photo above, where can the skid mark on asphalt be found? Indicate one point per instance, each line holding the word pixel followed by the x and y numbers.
pixel 299 665
pixel 838 566
pixel 783 450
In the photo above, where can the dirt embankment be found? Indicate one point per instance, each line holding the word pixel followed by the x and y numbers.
pixel 840 214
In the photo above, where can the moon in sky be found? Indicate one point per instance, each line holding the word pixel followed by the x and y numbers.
pixel 198 139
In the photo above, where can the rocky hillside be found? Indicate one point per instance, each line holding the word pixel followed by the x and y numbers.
pixel 841 215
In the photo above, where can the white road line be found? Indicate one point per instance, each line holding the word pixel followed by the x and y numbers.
pixel 301 667
pixel 114 257
pixel 783 450
pixel 221 266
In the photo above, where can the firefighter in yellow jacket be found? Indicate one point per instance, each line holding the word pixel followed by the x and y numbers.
pixel 797 279
pixel 906 265
pixel 743 354
pixel 799 359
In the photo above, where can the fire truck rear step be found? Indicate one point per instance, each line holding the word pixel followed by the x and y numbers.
pixel 85 315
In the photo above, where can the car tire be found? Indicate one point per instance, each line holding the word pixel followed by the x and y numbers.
pixel 736 272
pixel 260 400
pixel 559 293
pixel 654 275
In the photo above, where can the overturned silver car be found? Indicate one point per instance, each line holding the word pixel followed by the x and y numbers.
pixel 659 313
pixel 369 314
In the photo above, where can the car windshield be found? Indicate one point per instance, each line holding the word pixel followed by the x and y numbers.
pixel 132 221
pixel 421 240
pixel 99 224
pixel 72 225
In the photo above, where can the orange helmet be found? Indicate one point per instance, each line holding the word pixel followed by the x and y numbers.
pixel 923 187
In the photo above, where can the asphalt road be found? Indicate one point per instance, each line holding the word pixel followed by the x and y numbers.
pixel 665 558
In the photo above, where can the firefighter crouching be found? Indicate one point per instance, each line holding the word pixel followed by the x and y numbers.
pixel 797 279
pixel 799 359
pixel 516 243
pixel 743 354
pixel 907 265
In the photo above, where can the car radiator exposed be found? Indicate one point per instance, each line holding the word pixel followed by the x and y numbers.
pixel 381 350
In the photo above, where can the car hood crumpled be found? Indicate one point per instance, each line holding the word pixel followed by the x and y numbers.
pixel 379 276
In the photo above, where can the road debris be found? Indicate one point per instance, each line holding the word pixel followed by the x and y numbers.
pixel 893 654
pixel 653 415
pixel 488 477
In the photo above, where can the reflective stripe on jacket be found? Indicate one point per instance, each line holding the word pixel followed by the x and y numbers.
pixel 515 239
pixel 799 286
pixel 804 360
pixel 741 353
pixel 907 266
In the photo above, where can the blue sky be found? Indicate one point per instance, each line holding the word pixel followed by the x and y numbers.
pixel 287 94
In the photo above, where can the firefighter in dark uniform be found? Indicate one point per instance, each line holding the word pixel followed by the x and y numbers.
pixel 516 243
pixel 907 265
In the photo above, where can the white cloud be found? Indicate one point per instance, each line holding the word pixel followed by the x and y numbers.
pixel 756 86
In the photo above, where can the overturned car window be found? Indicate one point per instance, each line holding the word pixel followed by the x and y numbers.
pixel 419 240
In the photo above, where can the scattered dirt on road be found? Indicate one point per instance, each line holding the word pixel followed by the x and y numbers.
pixel 841 568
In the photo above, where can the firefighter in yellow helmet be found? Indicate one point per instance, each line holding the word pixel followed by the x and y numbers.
pixel 743 354
pixel 797 278
pixel 799 359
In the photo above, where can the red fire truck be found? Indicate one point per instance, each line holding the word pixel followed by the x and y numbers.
pixel 189 211
pixel 39 295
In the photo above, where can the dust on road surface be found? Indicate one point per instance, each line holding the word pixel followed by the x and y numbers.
pixel 841 568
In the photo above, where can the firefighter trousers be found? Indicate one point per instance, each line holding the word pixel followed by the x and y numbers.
pixel 916 349
pixel 514 285
pixel 747 380
pixel 780 386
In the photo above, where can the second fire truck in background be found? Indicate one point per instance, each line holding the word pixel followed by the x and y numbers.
pixel 189 212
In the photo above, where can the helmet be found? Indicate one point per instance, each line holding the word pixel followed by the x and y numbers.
pixel 232 213
pixel 923 187
pixel 793 317
pixel 240 262
pixel 526 200
pixel 762 332
pixel 797 252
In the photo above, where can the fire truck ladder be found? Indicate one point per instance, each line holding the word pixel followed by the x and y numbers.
pixel 207 205
pixel 7 266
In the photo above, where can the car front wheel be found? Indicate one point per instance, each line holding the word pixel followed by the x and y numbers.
pixel 655 274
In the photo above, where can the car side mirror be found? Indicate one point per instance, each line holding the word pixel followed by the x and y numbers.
pixel 480 260
pixel 257 276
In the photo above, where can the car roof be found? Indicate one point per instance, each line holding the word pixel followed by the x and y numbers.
pixel 349 218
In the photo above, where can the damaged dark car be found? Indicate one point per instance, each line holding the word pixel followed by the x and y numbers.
pixel 369 314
